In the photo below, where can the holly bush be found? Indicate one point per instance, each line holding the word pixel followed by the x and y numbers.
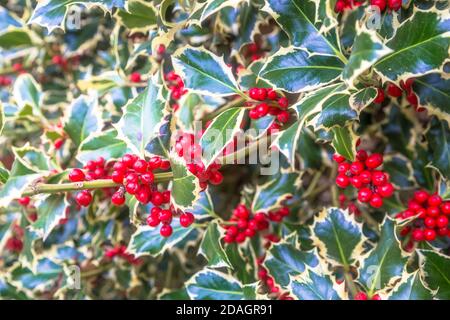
pixel 225 149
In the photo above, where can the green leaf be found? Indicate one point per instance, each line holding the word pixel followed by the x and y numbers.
pixel 386 262
pixel 284 261
pixel 104 144
pixel 211 247
pixel 367 49
pixel 187 106
pixel 211 7
pixel 362 98
pixel 50 210
pixel 314 284
pixel 138 15
pixel 203 72
pixel 243 263
pixel 336 112
pixel 143 116
pixel 15 37
pixel 399 130
pixel 214 285
pixel 438 136
pixel 51 13
pixel 219 133
pixel 308 149
pixel 27 92
pixel 2 118
pixel 410 287
pixel 344 142
pixel 433 92
pixel 338 236
pixel 271 194
pixel 420 45
pixel 148 241
pixel 434 268
pixel 33 158
pixel 249 77
pixel 185 186
pixel 400 171
pixel 296 70
pixel 83 118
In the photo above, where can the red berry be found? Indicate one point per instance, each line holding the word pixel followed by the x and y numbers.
pixel 129 160
pixel 343 167
pixel 83 198
pixel 393 90
pixel 374 161
pixel 253 93
pixel 135 77
pixel 380 94
pixel 381 4
pixel 147 178
pixel 186 219
pixel 340 6
pixel 154 163
pixel 262 109
pixel 378 178
pixel 356 167
pixel 421 196
pixel 412 98
pixel 283 116
pixel 433 212
pixel 117 176
pixel 395 4
pixel 166 196
pixel 445 208
pixel 356 182
pixel 365 176
pixel 272 94
pixel 429 234
pixel 140 166
pixel 24 201
pixel 364 195
pixel 165 164
pixel 253 114
pixel 240 237
pixel 376 297
pixel 434 200
pixel 429 222
pixel 376 201
pixel 441 221
pixel 216 178
pixel 342 181
pixel 283 102
pixel 360 296
pixel 165 216
pixel 58 143
pixel 338 158
pixel 262 94
pixel 132 187
pixel 361 155
pixel 157 198
pixel 76 175
pixel 118 198
pixel 386 190
pixel 166 230
pixel 143 194
pixel 442 231
pixel 417 235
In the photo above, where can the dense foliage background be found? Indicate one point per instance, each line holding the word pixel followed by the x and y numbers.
pixel 355 101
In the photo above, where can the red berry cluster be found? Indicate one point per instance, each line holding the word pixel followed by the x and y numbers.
pixel 432 217
pixel 342 5
pixel 121 251
pixel 175 85
pixel 164 217
pixel 382 4
pixel 187 148
pixel 363 296
pixel 373 185
pixel 15 242
pixel 269 103
pixel 243 224
pixel 253 52
pixel 344 202
pixel 396 92
pixel 60 61
pixel 5 81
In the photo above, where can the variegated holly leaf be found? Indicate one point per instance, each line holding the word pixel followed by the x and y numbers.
pixel 400 171
pixel 385 263
pixel 338 236
pixel 185 186
pixel 420 45
pixel 436 273
pixel 337 111
pixel 50 211
pixel 138 15
pixel 47 273
pixel 220 132
pixel 203 207
pixel 209 284
pixel 316 284
pixel 211 247
pixel 188 105
pixel 105 144
pixel 206 9
pixel 27 92
pixel 362 98
pixel 305 22
pixel 4 174
pixel 438 136
pixel 248 78
pixel 82 118
pixel 8 291
pixel 287 140
pixel 410 287
pixel 296 70
pixel 147 240
pixel 143 116
pixel 242 259
pixel 284 260
pixel 367 49
pixel 51 13
pixel 278 188
pixel 14 37
pixel 308 149
pixel 33 158
pixel 180 294
pixel 204 72
pixel 433 92
pixel 399 130
pixel 344 141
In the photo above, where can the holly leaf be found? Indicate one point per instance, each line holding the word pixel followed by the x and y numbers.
pixel 400 171
pixel 14 37
pixel 50 211
pixel 385 263
pixel 438 136
pixel 410 287
pixel 284 261
pixel 203 72
pixel 105 144
pixel 433 92
pixel 338 237
pixel 138 15
pixel 148 241
pixel 214 285
pixel 344 142
pixel 366 50
pixel 296 70
pixel 83 117
pixel 315 284
pixel 337 111
pixel 436 273
pixel 143 116
pixel 220 133
pixel 185 186
pixel 27 92
pixel 420 45
pixel 211 247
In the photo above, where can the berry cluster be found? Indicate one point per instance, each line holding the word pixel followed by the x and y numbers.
pixel 253 52
pixel 373 185
pixel 268 103
pixel 15 242
pixel 121 251
pixel 5 81
pixel 391 4
pixel 175 85
pixel 342 5
pixel 187 148
pixel 363 296
pixel 432 217
pixel 60 61
pixel 164 217
pixel 243 224
pixel 344 202
pixel 396 92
